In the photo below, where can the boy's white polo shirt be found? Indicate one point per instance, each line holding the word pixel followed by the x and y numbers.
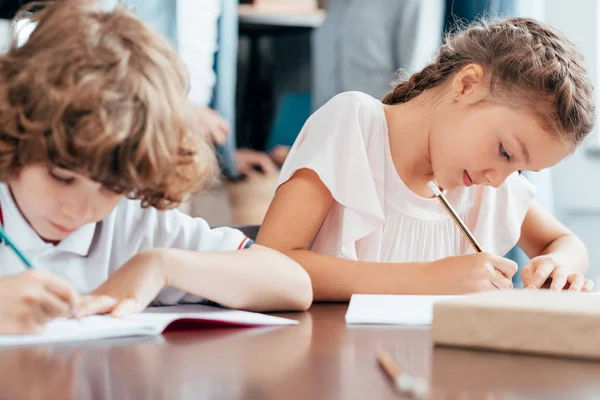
pixel 88 256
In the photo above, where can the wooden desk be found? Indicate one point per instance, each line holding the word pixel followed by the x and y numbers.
pixel 318 359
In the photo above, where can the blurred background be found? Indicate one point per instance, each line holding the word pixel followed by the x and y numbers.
pixel 259 68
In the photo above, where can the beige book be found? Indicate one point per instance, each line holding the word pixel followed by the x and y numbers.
pixel 528 321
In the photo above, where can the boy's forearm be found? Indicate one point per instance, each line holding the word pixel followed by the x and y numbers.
pixel 256 279
pixel 569 252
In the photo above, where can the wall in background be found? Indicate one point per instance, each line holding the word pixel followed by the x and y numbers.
pixel 576 181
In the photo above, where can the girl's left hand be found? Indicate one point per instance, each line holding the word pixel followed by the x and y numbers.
pixel 540 270
pixel 129 290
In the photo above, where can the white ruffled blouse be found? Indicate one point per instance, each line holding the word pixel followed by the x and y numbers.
pixel 375 216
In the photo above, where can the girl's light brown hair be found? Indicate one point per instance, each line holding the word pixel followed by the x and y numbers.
pixel 100 93
pixel 528 62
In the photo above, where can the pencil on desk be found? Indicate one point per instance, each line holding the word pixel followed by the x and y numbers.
pixel 415 387
pixel 461 225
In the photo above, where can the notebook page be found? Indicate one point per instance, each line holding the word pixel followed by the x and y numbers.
pixel 392 309
pixel 152 322
pixel 88 328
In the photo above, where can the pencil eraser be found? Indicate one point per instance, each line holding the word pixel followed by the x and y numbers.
pixel 434 188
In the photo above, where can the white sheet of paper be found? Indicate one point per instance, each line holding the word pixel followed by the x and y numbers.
pixel 152 322
pixel 384 309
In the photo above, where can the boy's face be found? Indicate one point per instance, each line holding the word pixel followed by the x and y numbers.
pixel 56 202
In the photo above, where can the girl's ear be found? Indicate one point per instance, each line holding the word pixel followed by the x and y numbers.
pixel 468 81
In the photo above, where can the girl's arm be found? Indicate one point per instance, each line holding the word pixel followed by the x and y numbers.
pixel 294 218
pixel 554 250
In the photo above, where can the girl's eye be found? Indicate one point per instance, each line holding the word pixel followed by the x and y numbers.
pixel 503 153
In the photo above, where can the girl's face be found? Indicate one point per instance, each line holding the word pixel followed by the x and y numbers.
pixel 478 142
pixel 57 202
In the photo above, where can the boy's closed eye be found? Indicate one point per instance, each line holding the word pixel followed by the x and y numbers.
pixel 61 175
pixel 68 177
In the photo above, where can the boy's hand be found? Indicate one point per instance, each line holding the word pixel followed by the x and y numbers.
pixel 540 270
pixel 31 299
pixel 130 289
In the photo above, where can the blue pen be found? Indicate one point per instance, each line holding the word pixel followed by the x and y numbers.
pixel 4 238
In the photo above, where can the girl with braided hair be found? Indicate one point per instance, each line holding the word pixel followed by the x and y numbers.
pixel 353 206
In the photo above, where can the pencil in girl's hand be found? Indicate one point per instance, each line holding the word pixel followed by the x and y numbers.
pixel 461 225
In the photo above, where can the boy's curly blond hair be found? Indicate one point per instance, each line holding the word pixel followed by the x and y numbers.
pixel 102 94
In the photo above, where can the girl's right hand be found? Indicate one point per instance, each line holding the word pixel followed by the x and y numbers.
pixel 31 299
pixel 470 273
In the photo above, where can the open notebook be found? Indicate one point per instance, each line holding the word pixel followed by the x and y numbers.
pixel 154 321
pixel 388 309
